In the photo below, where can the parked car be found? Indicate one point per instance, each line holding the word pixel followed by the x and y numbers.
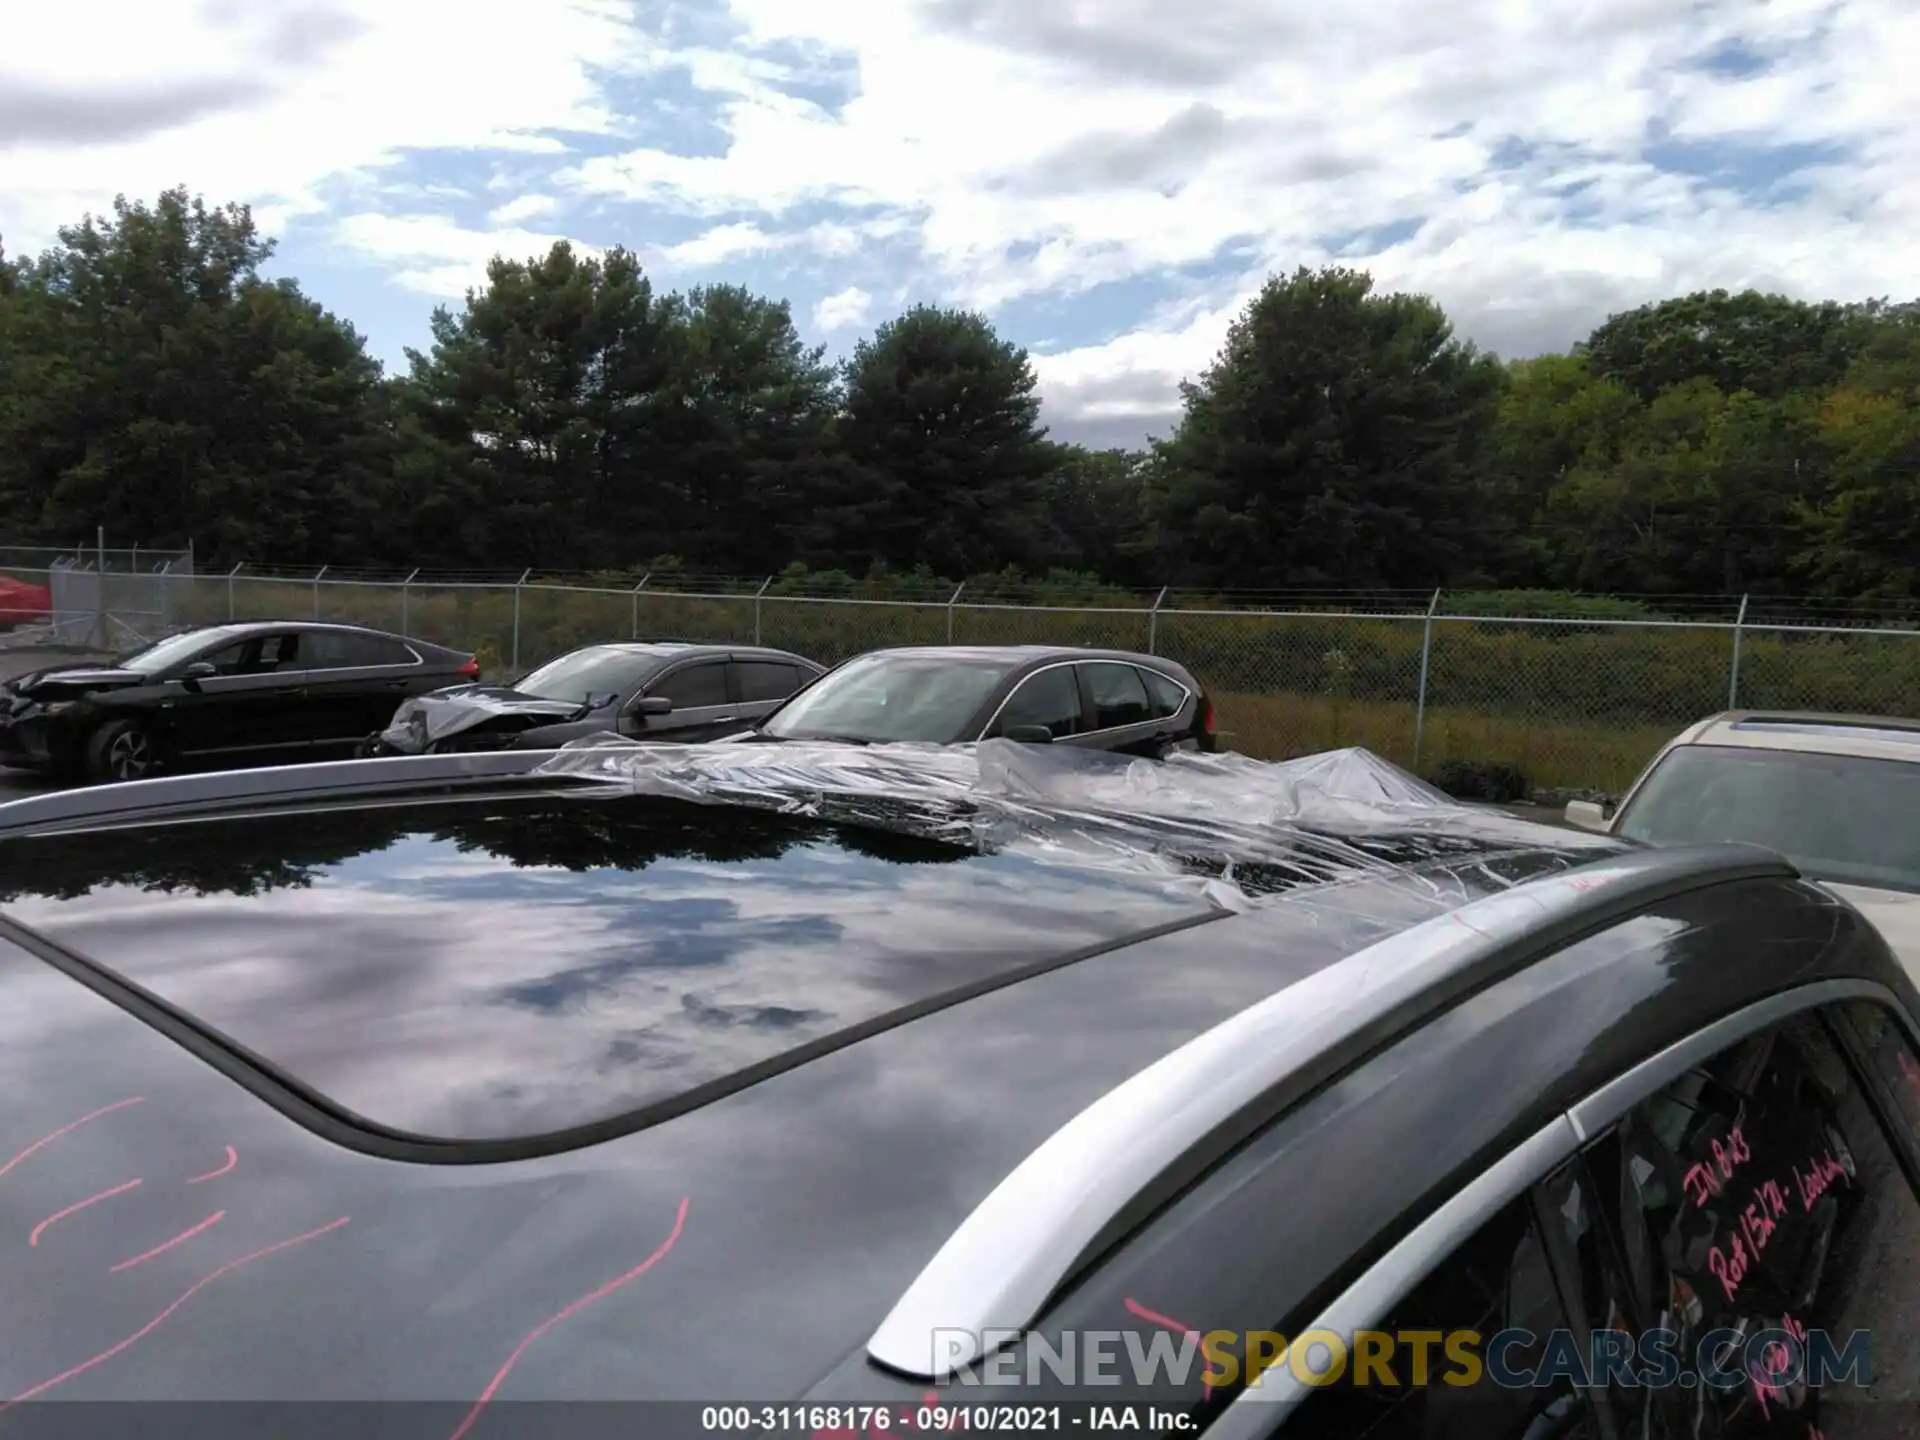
pixel 1034 694
pixel 462 1079
pixel 266 691
pixel 660 690
pixel 24 603
pixel 1839 794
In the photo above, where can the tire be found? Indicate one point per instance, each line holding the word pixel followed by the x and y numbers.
pixel 121 750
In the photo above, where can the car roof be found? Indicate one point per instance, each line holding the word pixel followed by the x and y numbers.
pixel 672 649
pixel 1020 654
pixel 1882 737
pixel 524 959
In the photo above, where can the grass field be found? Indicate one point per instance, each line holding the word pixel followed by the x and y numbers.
pixel 1553 754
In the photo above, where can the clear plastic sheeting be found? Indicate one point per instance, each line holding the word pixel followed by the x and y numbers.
pixel 1235 827
pixel 428 719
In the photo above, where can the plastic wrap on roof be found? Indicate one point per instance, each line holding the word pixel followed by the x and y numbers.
pixel 1237 827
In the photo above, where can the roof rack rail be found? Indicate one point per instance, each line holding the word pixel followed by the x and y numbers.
pixel 216 792
pixel 1123 1157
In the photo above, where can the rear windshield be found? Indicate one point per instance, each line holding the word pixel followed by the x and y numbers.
pixel 504 968
pixel 1849 819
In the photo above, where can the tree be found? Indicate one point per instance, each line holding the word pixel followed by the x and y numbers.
pixel 1092 500
pixel 165 390
pixel 532 429
pixel 746 413
pixel 1767 344
pixel 946 455
pixel 1335 441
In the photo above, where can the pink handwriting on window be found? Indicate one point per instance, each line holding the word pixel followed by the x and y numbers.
pixel 1818 1180
pixel 1910 1070
pixel 1710 1177
pixel 1774 1365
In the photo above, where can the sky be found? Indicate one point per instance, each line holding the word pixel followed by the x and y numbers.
pixel 1108 180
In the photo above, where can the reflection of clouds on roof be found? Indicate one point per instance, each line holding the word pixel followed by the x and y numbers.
pixel 437 990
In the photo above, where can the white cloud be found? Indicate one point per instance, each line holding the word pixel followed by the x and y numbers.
pixel 434 256
pixel 848 309
pixel 1532 165
pixel 524 207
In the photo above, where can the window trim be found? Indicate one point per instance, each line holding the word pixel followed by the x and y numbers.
pixel 986 730
pixel 1262 1408
pixel 1259 1412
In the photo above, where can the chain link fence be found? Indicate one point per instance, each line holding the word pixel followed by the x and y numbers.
pixel 1573 704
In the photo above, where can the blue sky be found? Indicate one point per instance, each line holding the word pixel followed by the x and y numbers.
pixel 1109 190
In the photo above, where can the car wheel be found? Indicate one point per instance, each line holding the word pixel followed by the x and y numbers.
pixel 121 750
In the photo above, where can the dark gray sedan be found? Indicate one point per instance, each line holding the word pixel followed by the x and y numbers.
pixel 656 690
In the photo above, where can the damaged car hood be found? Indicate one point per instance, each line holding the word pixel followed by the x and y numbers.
pixel 427 719
pixel 73 680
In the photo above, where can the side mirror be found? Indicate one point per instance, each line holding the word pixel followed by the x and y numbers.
pixel 651 705
pixel 1028 734
pixel 199 670
pixel 1587 814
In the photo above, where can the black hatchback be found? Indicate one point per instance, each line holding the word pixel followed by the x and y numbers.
pixel 1033 694
pixel 264 692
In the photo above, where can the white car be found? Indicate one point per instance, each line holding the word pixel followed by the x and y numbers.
pixel 1839 795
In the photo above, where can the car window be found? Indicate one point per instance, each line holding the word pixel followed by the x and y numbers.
pixel 1764 1226
pixel 1166 695
pixel 1844 818
pixel 278 652
pixel 163 654
pixel 914 696
pixel 1427 1371
pixel 231 659
pixel 1891 1054
pixel 765 680
pixel 342 649
pixel 694 687
pixel 1050 698
pixel 590 674
pixel 1119 695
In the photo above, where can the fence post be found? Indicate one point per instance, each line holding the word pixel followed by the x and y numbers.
pixel 634 633
pixel 1153 622
pixel 316 590
pixel 950 601
pixel 756 607
pixel 230 574
pixel 1420 702
pixel 406 598
pixel 104 640
pixel 166 596
pixel 516 621
pixel 1733 677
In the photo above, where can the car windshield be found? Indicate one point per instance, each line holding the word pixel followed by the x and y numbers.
pixel 168 652
pixel 590 674
pixel 881 698
pixel 1850 819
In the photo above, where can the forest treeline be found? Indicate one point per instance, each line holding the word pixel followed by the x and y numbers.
pixel 569 416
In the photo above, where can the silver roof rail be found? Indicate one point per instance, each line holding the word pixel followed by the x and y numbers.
pixel 1129 1152
pixel 142 801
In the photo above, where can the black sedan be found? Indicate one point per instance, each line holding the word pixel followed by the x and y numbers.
pixel 1035 694
pixel 661 690
pixel 266 692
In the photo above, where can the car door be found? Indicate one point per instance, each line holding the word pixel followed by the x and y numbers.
pixel 251 709
pixel 702 705
pixel 354 684
pixel 1122 711
pixel 760 686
